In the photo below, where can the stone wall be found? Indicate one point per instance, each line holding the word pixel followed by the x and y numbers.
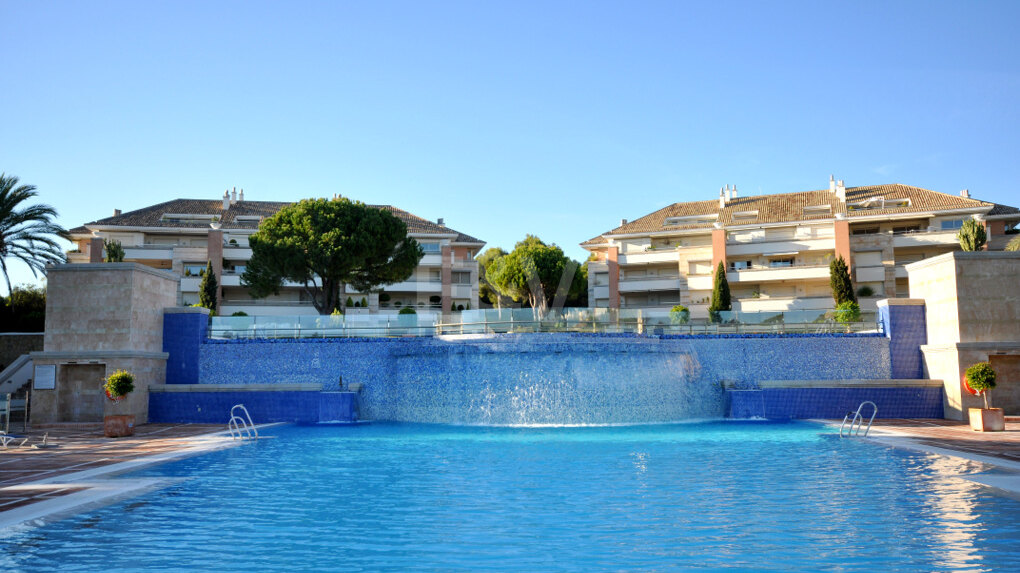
pixel 972 302
pixel 101 318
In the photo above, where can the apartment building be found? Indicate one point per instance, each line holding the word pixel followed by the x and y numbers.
pixel 182 235
pixel 777 248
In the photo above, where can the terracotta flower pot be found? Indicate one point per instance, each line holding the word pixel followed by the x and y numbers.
pixel 118 426
pixel 987 419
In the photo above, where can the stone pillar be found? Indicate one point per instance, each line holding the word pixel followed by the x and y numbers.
pixel 614 276
pixel 841 229
pixel 184 329
pixel 446 295
pixel 95 250
pixel 718 249
pixel 993 229
pixel 903 322
pixel 214 251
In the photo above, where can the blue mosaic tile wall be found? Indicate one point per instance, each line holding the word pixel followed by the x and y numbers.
pixel 906 328
pixel 183 334
pixel 545 378
pixel 264 407
pixel 801 403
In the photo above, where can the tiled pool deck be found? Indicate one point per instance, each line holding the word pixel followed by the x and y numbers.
pixel 33 482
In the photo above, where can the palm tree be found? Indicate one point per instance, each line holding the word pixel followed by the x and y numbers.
pixel 27 234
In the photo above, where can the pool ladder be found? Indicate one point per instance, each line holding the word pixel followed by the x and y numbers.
pixel 241 428
pixel 858 421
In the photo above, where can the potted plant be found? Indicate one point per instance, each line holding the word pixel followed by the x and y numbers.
pixel 980 379
pixel 679 314
pixel 118 385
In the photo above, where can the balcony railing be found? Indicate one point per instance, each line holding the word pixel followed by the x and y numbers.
pixel 493 321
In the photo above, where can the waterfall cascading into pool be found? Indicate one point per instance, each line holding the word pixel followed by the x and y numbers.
pixel 547 382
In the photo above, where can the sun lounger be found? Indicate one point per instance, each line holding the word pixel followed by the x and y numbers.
pixel 7 439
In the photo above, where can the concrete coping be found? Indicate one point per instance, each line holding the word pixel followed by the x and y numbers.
pixel 106 267
pixel 95 355
pixel 235 388
pixel 1008 348
pixel 900 302
pixel 897 383
pixel 953 255
pixel 186 310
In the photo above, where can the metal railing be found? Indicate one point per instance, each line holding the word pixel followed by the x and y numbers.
pixel 581 320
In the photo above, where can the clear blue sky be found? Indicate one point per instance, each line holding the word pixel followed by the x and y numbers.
pixel 551 118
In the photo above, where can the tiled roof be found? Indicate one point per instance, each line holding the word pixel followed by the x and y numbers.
pixel 789 207
pixel 152 216
pixel 1003 210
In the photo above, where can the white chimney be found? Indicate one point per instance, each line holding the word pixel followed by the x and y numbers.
pixel 233 197
pixel 832 183
pixel 734 194
pixel 727 193
pixel 226 199
pixel 722 198
pixel 965 193
pixel 841 191
pixel 241 197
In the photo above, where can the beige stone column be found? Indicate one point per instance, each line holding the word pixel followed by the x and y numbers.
pixel 613 265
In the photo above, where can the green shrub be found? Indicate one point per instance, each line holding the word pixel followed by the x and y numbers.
pixel 407 310
pixel 865 291
pixel 971 235
pixel 720 292
pixel 350 302
pixel 114 251
pixel 384 297
pixel 981 379
pixel 357 304
pixel 847 312
pixel 453 306
pixel 398 304
pixel 839 281
pixel 364 302
pixel 679 314
pixel 240 313
pixel 119 384
pixel 460 307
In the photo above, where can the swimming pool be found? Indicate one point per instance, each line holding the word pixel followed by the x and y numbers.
pixel 387 497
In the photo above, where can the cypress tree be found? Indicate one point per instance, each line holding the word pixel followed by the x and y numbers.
pixel 839 280
pixel 972 235
pixel 720 291
pixel 207 288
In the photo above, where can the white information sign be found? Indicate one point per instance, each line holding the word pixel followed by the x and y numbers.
pixel 45 377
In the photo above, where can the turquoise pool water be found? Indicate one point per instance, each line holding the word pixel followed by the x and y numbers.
pixel 394 497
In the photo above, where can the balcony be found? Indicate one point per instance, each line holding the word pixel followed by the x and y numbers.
pixel 77 257
pixel 870 274
pixel 652 283
pixel 780 304
pixel 431 260
pixel 230 279
pixel 787 273
pixel 662 255
pixel 149 252
pixel 925 238
pixel 415 286
pixel 764 247
pixel 237 253
pixel 190 284
pixel 460 291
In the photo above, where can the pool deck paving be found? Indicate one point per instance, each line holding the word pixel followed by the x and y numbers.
pixel 39 484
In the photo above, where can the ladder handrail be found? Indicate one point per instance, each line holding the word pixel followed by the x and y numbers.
pixel 242 424
pixel 858 421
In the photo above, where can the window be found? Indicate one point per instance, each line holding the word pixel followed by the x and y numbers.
pixel 952 224
pixel 817 210
pixel 189 217
pixel 601 279
pixel 194 269
pixel 865 231
pixel 745 216
pixel 435 276
pixel 461 278
pixel 430 247
pixel 691 220
pixel 781 262
pixel 878 203
pixel 868 259
pixel 699 267
pixel 906 229
pixel 740 265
